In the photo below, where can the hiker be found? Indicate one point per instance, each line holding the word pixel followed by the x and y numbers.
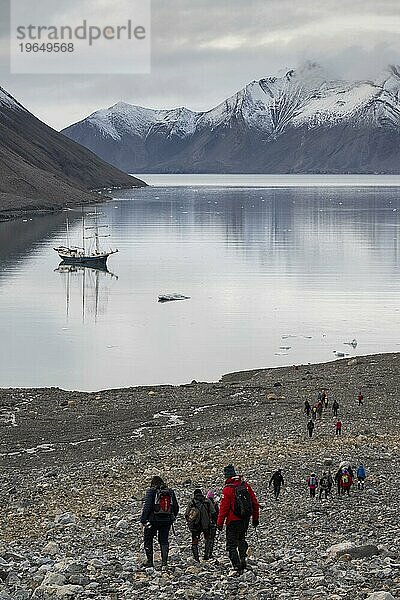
pixel 312 482
pixel 277 481
pixel 324 398
pixel 214 517
pixel 360 399
pixel 314 413
pixel 319 408
pixel 335 408
pixel 159 512
pixel 338 476
pixel 338 427
pixel 238 505
pixel 361 476
pixel 307 407
pixel 345 482
pixel 310 427
pixel 199 516
pixel 330 482
pixel 324 486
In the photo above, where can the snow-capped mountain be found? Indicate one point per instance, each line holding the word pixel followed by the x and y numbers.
pixel 300 121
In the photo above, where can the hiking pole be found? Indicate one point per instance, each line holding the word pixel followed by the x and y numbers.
pixel 173 529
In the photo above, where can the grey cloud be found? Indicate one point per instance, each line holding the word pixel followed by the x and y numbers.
pixel 193 66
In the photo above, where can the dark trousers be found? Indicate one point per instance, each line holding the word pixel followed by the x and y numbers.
pixel 312 492
pixel 339 431
pixel 323 490
pixel 159 529
pixel 277 491
pixel 310 432
pixel 236 544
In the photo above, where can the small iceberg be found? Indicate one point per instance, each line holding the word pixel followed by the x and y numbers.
pixel 352 343
pixel 172 297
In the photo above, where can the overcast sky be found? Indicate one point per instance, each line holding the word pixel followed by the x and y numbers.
pixel 205 50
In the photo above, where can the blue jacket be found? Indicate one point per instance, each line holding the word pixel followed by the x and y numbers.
pixel 361 472
pixel 148 508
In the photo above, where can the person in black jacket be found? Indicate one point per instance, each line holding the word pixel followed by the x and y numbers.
pixel 200 515
pixel 277 481
pixel 159 512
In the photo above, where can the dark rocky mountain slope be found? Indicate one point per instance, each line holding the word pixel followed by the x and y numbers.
pixel 41 169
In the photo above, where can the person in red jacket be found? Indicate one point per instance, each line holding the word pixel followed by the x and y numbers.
pixel 237 497
pixel 339 427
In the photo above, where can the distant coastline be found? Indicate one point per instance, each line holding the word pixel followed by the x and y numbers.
pixel 270 180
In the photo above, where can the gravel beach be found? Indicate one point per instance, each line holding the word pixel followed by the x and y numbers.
pixel 75 466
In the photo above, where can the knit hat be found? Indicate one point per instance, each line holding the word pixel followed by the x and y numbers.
pixel 211 494
pixel 229 471
pixel 197 492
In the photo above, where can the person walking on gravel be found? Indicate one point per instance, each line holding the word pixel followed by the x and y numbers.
pixel 160 509
pixel 360 399
pixel 277 481
pixel 335 408
pixel 199 515
pixel 361 476
pixel 238 505
pixel 312 482
pixel 214 518
pixel 307 408
pixel 310 428
pixel 338 427
pixel 324 486
pixel 346 481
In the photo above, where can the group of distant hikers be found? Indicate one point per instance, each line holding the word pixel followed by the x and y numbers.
pixel 344 479
pixel 322 403
pixel 238 506
pixel 204 517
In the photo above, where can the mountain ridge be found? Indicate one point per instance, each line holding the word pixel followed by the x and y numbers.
pixel 41 169
pixel 274 114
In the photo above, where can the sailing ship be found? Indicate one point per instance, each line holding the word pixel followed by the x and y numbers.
pixel 89 254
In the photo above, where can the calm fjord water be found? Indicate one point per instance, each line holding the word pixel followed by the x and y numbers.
pixel 276 276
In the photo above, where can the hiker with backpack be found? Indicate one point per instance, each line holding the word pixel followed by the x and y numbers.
pixel 361 476
pixel 310 428
pixel 335 408
pixel 199 516
pixel 159 511
pixel 338 427
pixel 214 517
pixel 324 486
pixel 238 505
pixel 346 481
pixel 307 408
pixel 312 482
pixel 277 481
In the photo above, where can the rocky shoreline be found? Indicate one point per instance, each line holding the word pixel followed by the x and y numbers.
pixel 75 467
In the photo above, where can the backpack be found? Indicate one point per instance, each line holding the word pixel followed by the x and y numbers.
pixel 162 503
pixel 313 481
pixel 345 479
pixel 323 483
pixel 198 516
pixel 193 517
pixel 243 506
